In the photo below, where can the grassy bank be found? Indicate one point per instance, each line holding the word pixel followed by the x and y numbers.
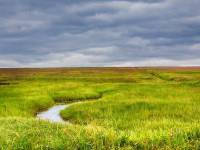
pixel 148 108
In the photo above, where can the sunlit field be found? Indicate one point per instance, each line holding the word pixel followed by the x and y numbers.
pixel 121 108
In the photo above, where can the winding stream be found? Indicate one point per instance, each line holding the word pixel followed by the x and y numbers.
pixel 53 114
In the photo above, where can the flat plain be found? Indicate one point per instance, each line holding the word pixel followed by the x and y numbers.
pixel 121 108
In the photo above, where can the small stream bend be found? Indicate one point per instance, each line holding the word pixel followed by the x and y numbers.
pixel 53 114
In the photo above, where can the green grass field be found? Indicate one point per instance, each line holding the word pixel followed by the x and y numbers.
pixel 123 108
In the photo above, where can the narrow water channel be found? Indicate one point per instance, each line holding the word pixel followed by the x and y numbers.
pixel 52 114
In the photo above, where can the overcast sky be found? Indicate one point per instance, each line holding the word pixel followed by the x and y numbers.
pixel 62 33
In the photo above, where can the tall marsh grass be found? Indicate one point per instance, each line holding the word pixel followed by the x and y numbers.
pixel 123 108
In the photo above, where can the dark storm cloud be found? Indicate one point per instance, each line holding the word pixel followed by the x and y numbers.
pixel 99 33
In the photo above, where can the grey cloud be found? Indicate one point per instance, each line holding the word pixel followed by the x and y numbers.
pixel 99 33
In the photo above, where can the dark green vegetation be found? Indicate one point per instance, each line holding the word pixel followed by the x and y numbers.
pixel 124 108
